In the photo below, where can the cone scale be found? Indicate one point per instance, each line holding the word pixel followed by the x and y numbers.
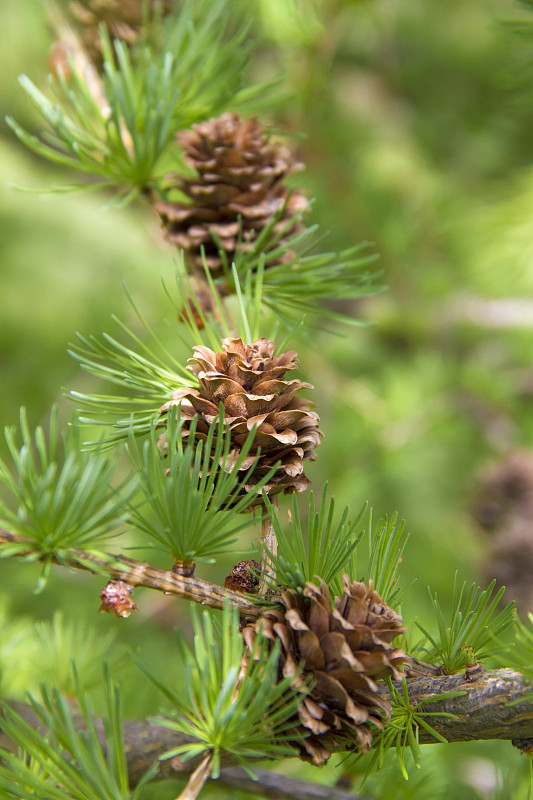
pixel 343 648
pixel 249 381
pixel 236 192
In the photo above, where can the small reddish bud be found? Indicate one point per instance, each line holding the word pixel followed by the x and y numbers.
pixel 190 312
pixel 116 599
pixel 59 60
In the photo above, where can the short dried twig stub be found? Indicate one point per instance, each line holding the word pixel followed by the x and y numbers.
pixel 344 649
pixel 248 380
pixel 239 182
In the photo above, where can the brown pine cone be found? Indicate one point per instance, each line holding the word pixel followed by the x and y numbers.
pixel 505 491
pixel 123 19
pixel 244 577
pixel 504 509
pixel 239 177
pixel 344 651
pixel 248 380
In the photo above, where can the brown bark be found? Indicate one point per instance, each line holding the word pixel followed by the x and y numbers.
pixel 497 705
pixel 278 787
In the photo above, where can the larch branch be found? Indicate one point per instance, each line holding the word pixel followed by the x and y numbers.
pixel 495 704
pixel 139 573
pixel 144 742
pixel 277 787
pixel 498 704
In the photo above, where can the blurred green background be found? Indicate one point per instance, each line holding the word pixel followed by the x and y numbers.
pixel 414 119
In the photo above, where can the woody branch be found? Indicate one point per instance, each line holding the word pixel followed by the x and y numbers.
pixel 139 573
pixel 498 704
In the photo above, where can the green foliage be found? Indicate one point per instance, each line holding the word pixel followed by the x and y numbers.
pixel 289 22
pixel 386 543
pixel 245 712
pixel 386 783
pixel 244 317
pixel 408 394
pixel 474 630
pixel 323 550
pixel 194 492
pixel 65 762
pixel 514 783
pixel 386 550
pixel 520 655
pixel 402 732
pixel 295 277
pixel 301 284
pixel 62 642
pixel 62 498
pixel 148 94
pixel 524 26
pixel 151 369
pixel 17 648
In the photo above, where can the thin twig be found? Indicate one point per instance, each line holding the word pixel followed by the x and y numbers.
pixel 278 787
pixel 269 543
pixel 198 779
pixel 139 573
